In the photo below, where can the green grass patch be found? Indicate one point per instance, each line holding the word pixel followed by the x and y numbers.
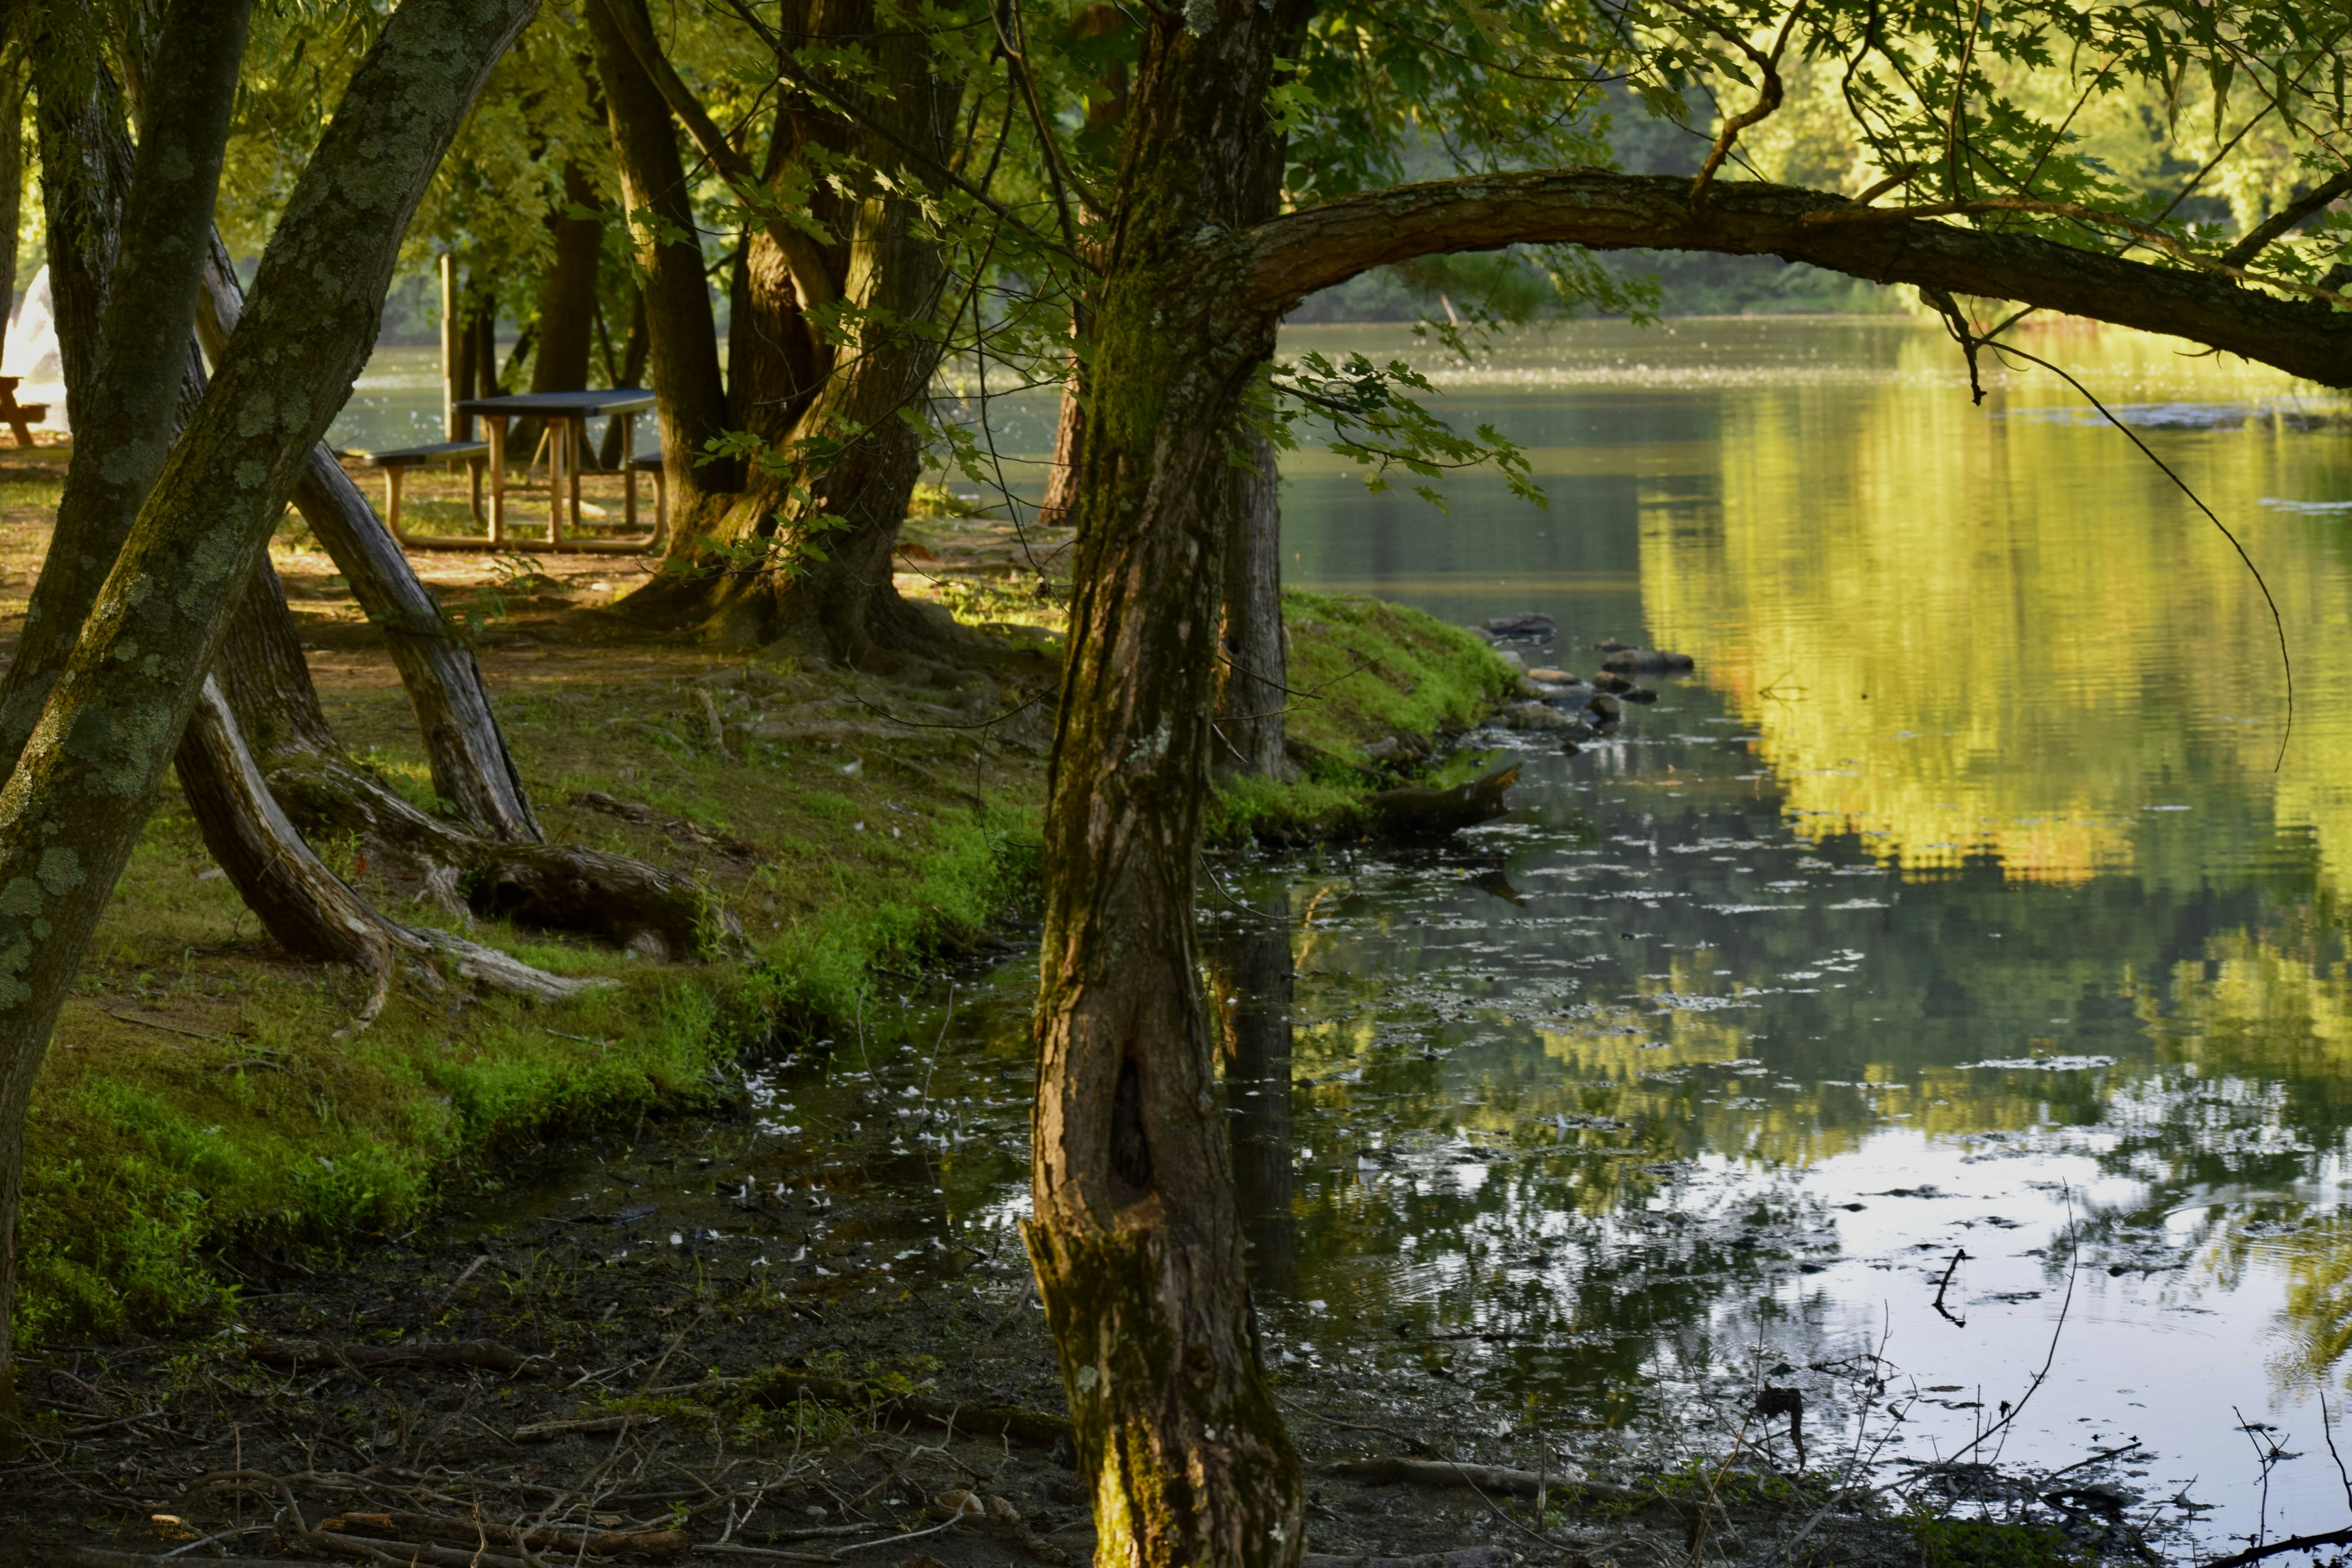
pixel 202 1107
pixel 1364 671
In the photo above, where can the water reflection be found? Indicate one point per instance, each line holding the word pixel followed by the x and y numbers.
pixel 1250 969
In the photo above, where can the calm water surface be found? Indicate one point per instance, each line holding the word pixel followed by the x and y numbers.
pixel 1947 971
pixel 1961 903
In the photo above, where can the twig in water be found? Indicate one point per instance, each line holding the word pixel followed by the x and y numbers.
pixel 1960 1256
pixel 2328 1428
pixel 2010 1415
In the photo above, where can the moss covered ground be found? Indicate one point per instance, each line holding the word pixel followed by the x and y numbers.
pixel 206 1117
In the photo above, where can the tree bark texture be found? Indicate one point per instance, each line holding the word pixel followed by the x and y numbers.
pixel 1254 677
pixel 85 164
pixel 1137 1241
pixel 815 280
pixel 472 769
pixel 690 397
pixel 307 909
pixel 124 416
pixel 808 553
pixel 1288 257
pixel 88 777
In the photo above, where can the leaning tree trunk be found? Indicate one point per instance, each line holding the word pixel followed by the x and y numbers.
pixel 1254 677
pixel 324 795
pixel 141 290
pixel 690 397
pixel 262 690
pixel 472 769
pixel 1137 1242
pixel 80 795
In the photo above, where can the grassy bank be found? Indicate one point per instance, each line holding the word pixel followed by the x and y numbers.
pixel 206 1121
pixel 1378 687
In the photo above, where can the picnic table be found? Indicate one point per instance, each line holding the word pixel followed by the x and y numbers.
pixel 19 416
pixel 567 415
pixel 395 462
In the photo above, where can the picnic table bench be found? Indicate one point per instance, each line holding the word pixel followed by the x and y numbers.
pixel 395 462
pixel 19 416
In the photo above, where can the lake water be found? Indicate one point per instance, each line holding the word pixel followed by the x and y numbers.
pixel 1960 903
pixel 1948 971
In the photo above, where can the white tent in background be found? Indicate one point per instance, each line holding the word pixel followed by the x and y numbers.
pixel 32 353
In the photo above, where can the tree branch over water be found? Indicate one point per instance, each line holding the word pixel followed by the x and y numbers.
pixel 1286 258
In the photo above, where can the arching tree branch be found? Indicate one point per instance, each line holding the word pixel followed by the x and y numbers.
pixel 1286 258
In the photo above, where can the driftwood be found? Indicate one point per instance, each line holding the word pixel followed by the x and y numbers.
pixel 487 1353
pixel 407 1527
pixel 1417 811
pixel 1481 1477
pixel 784 1385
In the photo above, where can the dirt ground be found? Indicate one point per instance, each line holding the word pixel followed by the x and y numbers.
pixel 703 1327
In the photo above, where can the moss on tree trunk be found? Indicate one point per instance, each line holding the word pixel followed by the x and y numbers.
pixel 89 774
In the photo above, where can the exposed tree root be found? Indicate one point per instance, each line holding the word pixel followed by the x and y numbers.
pixel 310 911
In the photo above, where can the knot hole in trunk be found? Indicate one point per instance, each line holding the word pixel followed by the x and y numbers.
pixel 1130 1150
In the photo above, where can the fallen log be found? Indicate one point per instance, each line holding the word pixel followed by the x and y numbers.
pixel 1417 811
pixel 783 1385
pixel 487 1353
pixel 1480 1478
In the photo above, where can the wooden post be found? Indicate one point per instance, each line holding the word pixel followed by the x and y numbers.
pixel 454 426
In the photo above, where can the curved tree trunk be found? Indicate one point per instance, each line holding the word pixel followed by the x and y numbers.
pixel 690 397
pixel 81 790
pixel 472 768
pixel 324 795
pixel 1254 660
pixel 1137 1241
pixel 306 907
